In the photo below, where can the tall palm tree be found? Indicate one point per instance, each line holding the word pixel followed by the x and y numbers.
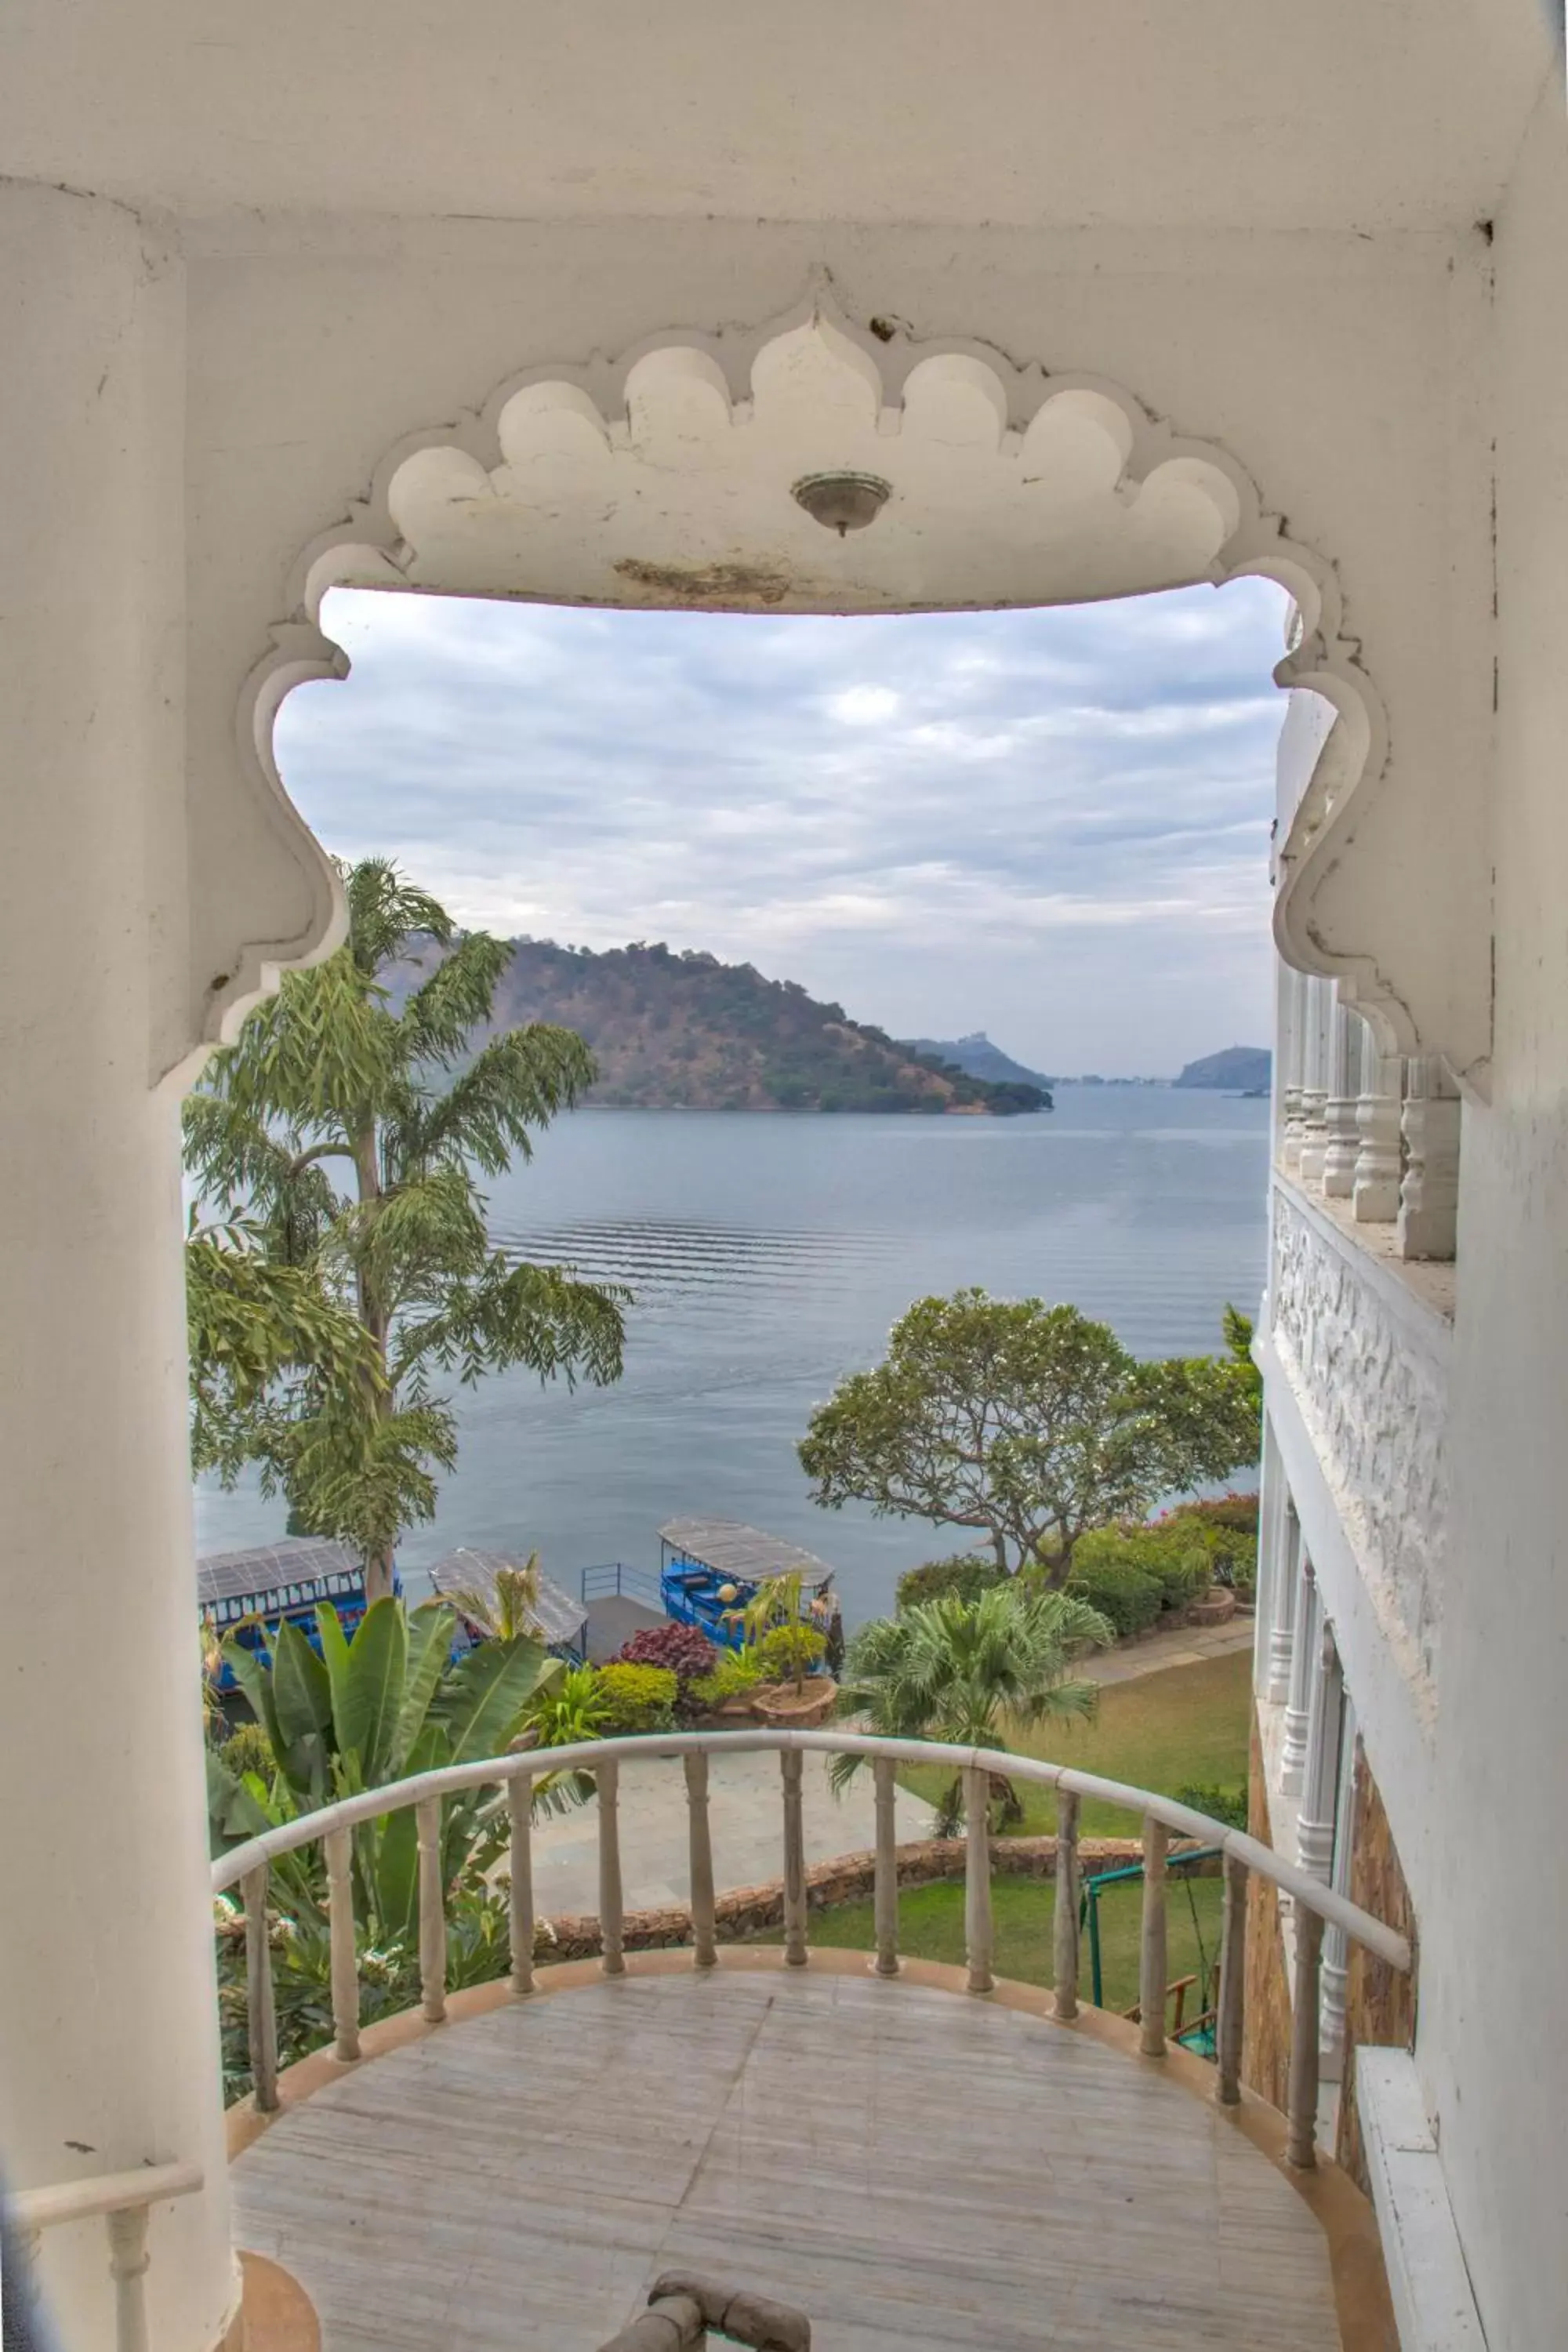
pixel 964 1672
pixel 340 1144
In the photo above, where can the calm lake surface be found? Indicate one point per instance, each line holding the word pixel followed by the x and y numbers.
pixel 769 1256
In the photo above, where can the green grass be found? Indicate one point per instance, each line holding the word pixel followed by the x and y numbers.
pixel 931 1927
pixel 1160 1731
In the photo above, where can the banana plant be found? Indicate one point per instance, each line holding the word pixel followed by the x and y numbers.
pixel 375 1708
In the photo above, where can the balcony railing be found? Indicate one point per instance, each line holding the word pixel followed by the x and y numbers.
pixel 125 2202
pixel 1316 1905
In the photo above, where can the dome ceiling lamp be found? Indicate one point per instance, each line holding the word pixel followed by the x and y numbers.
pixel 842 502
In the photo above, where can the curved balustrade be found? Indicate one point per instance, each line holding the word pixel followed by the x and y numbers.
pixel 122 2199
pixel 1316 1905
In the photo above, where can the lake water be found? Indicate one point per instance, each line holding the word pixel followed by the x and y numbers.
pixel 769 1256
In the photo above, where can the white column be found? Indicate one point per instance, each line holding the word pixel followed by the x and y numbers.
pixel 108 2025
pixel 1292 1037
pixel 1429 1195
pixel 1321 1768
pixel 1380 1159
pixel 1285 1587
pixel 1345 1088
pixel 1336 1945
pixel 1315 1080
pixel 1297 1704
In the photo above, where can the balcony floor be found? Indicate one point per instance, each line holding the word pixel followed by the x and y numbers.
pixel 914 2168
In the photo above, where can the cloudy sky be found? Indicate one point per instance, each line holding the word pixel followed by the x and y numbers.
pixel 1052 826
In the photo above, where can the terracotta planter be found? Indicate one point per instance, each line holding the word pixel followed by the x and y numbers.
pixel 1217 1605
pixel 782 1708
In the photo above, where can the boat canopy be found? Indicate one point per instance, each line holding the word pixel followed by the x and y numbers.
pixel 558 1620
pixel 277 1580
pixel 729 1547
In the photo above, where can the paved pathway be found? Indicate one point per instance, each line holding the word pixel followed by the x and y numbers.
pixel 745 1811
pixel 1188 1646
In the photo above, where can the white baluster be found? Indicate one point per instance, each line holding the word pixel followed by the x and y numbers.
pixel 1315 1086
pixel 1380 1157
pixel 977 1935
pixel 1336 1943
pixel 1281 1537
pixel 700 1849
pixel 1293 1753
pixel 886 1902
pixel 128 2260
pixel 1232 1984
pixel 1152 1971
pixel 261 2013
pixel 519 1811
pixel 1344 1143
pixel 432 1911
pixel 339 1845
pixel 1315 1821
pixel 612 1962
pixel 1429 1195
pixel 1294 1043
pixel 791 1764
pixel 1064 1918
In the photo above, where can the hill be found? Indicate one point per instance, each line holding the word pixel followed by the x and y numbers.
pixel 1240 1069
pixel 685 1032
pixel 978 1058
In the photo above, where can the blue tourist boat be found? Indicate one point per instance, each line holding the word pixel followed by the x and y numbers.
pixel 246 1595
pixel 710 1570
pixel 555 1619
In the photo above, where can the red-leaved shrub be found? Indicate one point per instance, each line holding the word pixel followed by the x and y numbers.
pixel 687 1653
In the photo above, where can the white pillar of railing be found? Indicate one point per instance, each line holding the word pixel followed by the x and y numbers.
pixel 1320 1771
pixel 791 1764
pixel 700 1851
pixel 261 2013
pixel 1284 1597
pixel 1429 1195
pixel 1232 1984
pixel 1315 1086
pixel 1293 1000
pixel 1380 1157
pixel 339 1845
pixel 128 2260
pixel 886 1903
pixel 1151 1961
pixel 432 1911
pixel 1293 1752
pixel 612 1958
pixel 1336 1944
pixel 977 1931
pixel 124 2200
pixel 1344 1091
pixel 521 1922
pixel 1301 2109
pixel 1064 1914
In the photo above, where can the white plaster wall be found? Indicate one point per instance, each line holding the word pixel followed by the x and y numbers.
pixel 1492 2057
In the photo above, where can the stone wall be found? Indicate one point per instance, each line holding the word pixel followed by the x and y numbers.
pixel 1380 2002
pixel 1265 2040
pixel 1369 1364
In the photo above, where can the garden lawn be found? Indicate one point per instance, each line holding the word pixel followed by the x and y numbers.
pixel 931 1927
pixel 1162 1731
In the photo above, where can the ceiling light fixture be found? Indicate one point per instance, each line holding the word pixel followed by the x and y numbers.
pixel 842 502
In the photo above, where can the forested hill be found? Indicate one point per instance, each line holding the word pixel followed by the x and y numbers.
pixel 684 1031
pixel 1240 1069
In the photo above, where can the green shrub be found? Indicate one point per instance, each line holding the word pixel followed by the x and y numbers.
pixel 1228 1805
pixel 969 1574
pixel 736 1671
pixel 249 1750
pixel 1121 1591
pixel 1177 1557
pixel 788 1654
pixel 635 1699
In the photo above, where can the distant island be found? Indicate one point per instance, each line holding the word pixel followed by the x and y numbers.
pixel 683 1032
pixel 979 1058
pixel 1239 1070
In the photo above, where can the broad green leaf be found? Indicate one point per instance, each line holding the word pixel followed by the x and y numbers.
pixel 254 1680
pixel 378 1663
pixel 300 1692
pixel 430 1646
pixel 482 1700
pixel 335 1657
pixel 396 1890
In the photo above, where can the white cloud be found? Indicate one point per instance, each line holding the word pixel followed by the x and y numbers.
pixel 1051 826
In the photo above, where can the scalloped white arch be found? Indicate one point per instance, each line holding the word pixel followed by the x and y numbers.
pixel 686 405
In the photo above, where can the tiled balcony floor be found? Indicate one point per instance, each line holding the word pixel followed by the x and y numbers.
pixel 914 2168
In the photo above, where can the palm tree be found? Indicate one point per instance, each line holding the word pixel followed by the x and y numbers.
pixel 966 1672
pixel 338 1146
pixel 506 1610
